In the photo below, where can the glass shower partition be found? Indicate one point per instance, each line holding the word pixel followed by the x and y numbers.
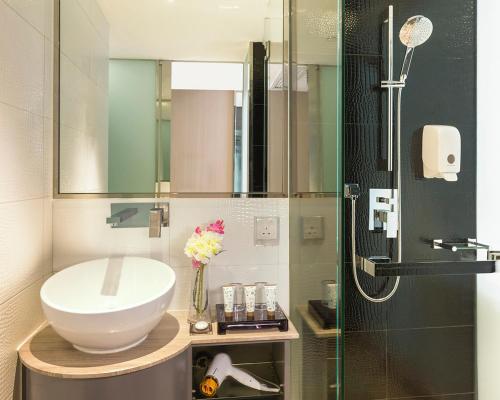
pixel 315 196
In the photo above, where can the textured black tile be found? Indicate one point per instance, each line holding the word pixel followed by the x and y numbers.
pixel 362 155
pixel 361 315
pixel 314 367
pixel 436 216
pixel 433 301
pixel 431 216
pixel 431 363
pixel 424 362
pixel 258 78
pixel 259 91
pixel 365 365
pixel 258 160
pixel 363 24
pixel 436 209
pixel 319 365
pixel 439 91
pixel 259 132
pixel 363 95
pixel 454 24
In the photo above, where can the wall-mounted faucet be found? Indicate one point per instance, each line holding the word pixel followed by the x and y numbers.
pixel 140 215
pixel 121 216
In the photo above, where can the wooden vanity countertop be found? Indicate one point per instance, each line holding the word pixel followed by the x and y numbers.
pixel 47 353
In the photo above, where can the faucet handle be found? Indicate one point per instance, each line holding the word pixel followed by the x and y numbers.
pixel 155 222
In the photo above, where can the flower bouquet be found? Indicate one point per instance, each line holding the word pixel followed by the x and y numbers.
pixel 204 243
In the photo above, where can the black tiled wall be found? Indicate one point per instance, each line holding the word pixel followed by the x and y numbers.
pixel 258 118
pixel 420 344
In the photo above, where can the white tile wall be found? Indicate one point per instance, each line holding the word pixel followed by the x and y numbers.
pixel 19 316
pixel 26 53
pixel 80 233
pixel 84 108
pixel 37 13
pixel 21 246
pixel 21 154
pixel 22 76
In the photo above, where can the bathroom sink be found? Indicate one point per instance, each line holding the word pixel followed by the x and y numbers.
pixel 108 305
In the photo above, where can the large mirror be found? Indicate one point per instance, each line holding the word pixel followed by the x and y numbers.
pixel 172 96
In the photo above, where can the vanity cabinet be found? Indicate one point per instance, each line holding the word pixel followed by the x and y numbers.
pixel 166 381
pixel 166 366
pixel 175 379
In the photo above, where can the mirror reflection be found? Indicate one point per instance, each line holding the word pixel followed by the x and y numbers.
pixel 172 96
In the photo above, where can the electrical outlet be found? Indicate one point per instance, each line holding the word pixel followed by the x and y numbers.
pixel 266 231
pixel 313 228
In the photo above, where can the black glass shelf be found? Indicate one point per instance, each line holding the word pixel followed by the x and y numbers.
pixel 382 266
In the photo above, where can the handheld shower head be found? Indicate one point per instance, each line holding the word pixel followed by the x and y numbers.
pixel 416 31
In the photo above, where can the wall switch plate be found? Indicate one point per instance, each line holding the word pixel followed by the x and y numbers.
pixel 267 231
pixel 313 228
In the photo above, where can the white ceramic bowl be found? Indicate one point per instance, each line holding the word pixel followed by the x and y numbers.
pixel 108 305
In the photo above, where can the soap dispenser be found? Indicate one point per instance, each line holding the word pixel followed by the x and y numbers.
pixel 441 147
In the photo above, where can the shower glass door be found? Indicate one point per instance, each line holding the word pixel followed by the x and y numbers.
pixel 315 203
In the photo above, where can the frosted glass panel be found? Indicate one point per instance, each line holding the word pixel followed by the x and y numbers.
pixel 132 126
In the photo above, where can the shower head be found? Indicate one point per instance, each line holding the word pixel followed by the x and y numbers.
pixel 416 31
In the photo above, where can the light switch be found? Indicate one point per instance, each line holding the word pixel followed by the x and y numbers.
pixel 313 228
pixel 266 231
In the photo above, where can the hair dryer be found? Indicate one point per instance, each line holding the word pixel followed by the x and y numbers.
pixel 222 367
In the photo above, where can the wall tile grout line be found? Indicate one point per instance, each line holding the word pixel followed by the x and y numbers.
pixel 24 288
pixel 28 22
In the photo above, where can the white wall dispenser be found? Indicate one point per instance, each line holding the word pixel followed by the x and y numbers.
pixel 441 152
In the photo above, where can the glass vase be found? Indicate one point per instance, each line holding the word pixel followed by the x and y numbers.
pixel 199 306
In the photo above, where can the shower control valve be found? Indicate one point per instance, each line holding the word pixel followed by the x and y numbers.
pixel 384 211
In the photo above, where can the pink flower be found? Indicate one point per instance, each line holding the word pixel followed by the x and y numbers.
pixel 217 227
pixel 198 230
pixel 196 263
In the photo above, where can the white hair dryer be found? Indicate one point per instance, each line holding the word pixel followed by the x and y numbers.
pixel 222 367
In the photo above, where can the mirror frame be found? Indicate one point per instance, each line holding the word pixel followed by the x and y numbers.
pixel 56 131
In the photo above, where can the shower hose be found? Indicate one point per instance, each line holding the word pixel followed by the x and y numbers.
pixel 354 266
pixel 354 197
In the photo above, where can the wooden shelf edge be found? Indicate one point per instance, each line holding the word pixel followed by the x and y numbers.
pixel 46 353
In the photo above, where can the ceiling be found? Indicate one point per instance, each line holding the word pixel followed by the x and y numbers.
pixel 190 30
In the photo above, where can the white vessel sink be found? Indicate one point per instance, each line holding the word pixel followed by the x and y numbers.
pixel 108 305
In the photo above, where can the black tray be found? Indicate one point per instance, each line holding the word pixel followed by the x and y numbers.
pixel 261 320
pixel 327 317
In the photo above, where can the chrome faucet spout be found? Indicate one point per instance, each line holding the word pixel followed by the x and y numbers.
pixel 121 216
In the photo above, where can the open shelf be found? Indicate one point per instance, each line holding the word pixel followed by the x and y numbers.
pixel 232 389
pixel 265 361
pixel 385 267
